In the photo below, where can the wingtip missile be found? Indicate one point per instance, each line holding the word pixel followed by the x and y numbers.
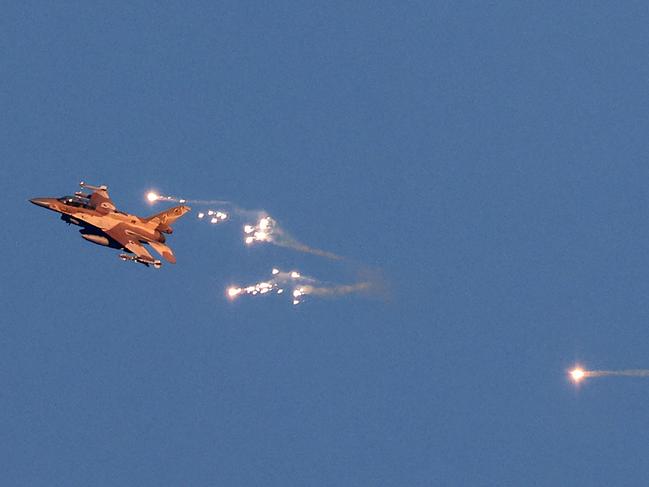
pixel 101 187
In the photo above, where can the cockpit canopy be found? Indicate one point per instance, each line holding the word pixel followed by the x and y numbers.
pixel 75 201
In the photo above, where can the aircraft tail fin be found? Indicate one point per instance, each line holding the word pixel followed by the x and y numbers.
pixel 168 217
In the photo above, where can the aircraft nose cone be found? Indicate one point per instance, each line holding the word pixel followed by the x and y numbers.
pixel 40 202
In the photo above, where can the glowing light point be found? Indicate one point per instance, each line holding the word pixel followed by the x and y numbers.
pixel 214 220
pixel 248 229
pixel 151 196
pixel 201 215
pixel 291 282
pixel 577 374
pixel 249 240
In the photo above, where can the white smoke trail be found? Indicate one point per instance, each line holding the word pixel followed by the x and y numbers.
pixel 232 207
pixel 617 373
pixel 578 374
pixel 338 289
pixel 265 229
pixel 153 197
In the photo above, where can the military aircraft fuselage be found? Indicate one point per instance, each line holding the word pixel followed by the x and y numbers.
pixel 101 223
pixel 73 213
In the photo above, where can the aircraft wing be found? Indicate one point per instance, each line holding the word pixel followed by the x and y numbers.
pixel 130 242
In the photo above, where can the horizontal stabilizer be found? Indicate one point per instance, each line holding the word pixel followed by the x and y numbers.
pixel 164 251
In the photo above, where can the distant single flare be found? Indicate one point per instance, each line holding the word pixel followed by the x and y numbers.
pixel 578 374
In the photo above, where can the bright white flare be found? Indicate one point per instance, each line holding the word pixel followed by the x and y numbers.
pixel 267 230
pixel 262 231
pixel 216 216
pixel 152 196
pixel 577 374
pixel 279 281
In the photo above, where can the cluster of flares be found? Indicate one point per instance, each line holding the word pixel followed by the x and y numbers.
pixel 280 280
pixel 578 373
pixel 297 285
pixel 213 216
pixel 262 231
pixel 266 229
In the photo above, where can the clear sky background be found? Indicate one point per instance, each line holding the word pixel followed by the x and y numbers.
pixel 490 158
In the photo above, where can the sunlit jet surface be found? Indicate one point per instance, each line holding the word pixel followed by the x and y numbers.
pixel 101 223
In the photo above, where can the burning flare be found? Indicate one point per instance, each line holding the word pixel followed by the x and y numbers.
pixel 299 286
pixel 578 374
pixel 265 230
pixel 268 230
pixel 215 216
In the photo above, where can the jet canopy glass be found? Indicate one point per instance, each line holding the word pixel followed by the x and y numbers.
pixel 75 201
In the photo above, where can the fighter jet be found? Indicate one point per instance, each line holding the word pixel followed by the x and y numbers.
pixel 101 223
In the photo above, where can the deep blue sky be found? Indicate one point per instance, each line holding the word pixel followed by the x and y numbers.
pixel 490 158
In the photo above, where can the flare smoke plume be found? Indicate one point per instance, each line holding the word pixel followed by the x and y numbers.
pixel 265 229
